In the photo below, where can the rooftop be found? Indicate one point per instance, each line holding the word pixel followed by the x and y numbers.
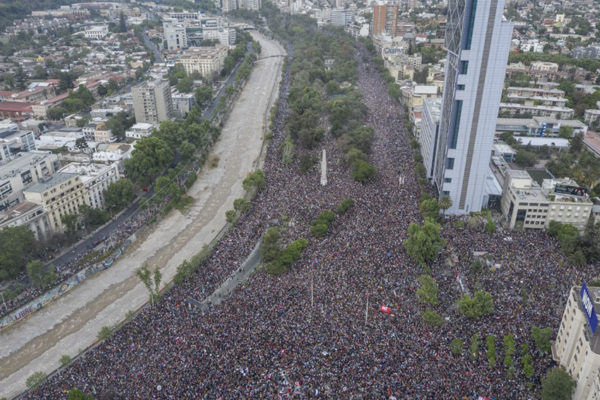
pixel 18 210
pixel 422 89
pixel 543 141
pixel 56 179
pixel 21 161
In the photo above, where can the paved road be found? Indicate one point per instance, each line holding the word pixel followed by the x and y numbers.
pixel 73 321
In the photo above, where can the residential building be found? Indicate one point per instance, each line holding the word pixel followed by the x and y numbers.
pixel 96 32
pixel 577 345
pixel 28 214
pixel 591 116
pixel 341 16
pixel 250 4
pixel 174 34
pixel 505 151
pixel 13 141
pixel 516 110
pixel 16 110
pixel 385 19
pixel 538 126
pixel 102 134
pixel 587 52
pixel 428 134
pixel 205 60
pixel 95 178
pixel 527 204
pixel 139 130
pixel 152 102
pixel 59 195
pixel 182 103
pixel 110 152
pixel 478 41
pixel 22 171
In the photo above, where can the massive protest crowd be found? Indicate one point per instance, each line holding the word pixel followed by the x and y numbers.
pixel 316 331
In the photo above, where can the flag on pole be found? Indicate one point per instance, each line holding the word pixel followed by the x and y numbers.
pixel 385 309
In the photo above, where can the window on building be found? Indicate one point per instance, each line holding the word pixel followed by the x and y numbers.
pixel 455 126
pixel 445 193
pixel 449 163
pixel 460 87
pixel 448 180
pixel 472 12
pixel 463 67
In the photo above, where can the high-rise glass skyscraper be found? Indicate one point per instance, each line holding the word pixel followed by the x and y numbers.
pixel 478 42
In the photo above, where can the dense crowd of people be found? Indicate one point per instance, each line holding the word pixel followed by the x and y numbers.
pixel 316 331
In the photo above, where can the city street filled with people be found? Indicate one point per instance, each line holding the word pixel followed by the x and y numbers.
pixel 317 331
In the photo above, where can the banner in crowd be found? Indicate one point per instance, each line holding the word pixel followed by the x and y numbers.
pixel 61 289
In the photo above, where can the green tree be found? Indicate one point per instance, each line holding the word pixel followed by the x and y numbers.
pixel 35 379
pixel 424 241
pixel 65 360
pixel 150 156
pixel 151 281
pixel 474 346
pixel 432 318
pixel 456 346
pixel 287 257
pixel 254 181
pixel 76 394
pixel 270 247
pixel 38 275
pixel 362 171
pixel 203 95
pixel 509 351
pixel 119 123
pixel 93 217
pixel 525 158
pixel 429 209
pixel 444 203
pixel 70 222
pixel 557 385
pixel 566 132
pixel 428 291
pixel 17 247
pixel 541 337
pixel 118 195
pixel 185 85
pixel 477 306
pixel 122 23
pixel 490 342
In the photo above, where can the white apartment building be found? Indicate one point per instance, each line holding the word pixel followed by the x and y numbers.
pixel 21 172
pixel 478 42
pixel 577 345
pixel 174 34
pixel 95 178
pixel 139 130
pixel 541 110
pixel 428 134
pixel 205 60
pixel 110 152
pixel 14 141
pixel 152 102
pixel 527 204
pixel 96 32
pixel 225 36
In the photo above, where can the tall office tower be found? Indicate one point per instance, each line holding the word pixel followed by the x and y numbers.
pixel 152 102
pixel 385 18
pixel 478 42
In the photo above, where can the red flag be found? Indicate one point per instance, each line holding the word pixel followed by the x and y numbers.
pixel 385 309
